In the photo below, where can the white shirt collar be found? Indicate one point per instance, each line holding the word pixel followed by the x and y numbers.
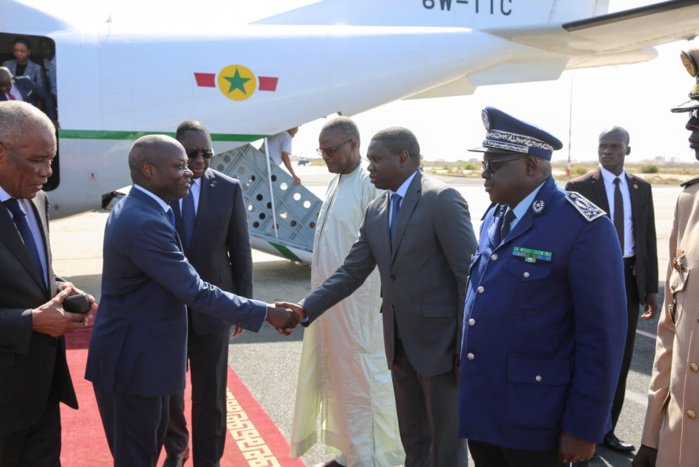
pixel 163 204
pixel 403 189
pixel 609 177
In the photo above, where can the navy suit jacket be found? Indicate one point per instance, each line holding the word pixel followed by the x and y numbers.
pixel 139 341
pixel 31 92
pixel 543 338
pixel 220 249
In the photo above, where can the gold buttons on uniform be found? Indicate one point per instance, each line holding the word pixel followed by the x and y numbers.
pixel 526 274
pixel 538 378
pixel 494 256
pixel 470 356
pixel 694 367
pixel 691 414
pixel 481 289
pixel 471 322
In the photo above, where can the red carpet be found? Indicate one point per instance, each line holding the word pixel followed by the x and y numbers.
pixel 252 437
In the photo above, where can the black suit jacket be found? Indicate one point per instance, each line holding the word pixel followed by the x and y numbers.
pixel 31 92
pixel 591 186
pixel 220 249
pixel 29 361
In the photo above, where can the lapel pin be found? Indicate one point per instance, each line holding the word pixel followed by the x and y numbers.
pixel 538 206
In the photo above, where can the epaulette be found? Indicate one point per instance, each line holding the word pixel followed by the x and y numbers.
pixel 584 206
pixel 691 181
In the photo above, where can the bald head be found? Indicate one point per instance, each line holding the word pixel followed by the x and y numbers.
pixel 19 119
pixel 158 163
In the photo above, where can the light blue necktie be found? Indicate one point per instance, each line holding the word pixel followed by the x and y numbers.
pixel 20 218
pixel 188 217
pixel 395 205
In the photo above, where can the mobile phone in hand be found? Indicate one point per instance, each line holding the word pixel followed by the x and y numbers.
pixel 77 304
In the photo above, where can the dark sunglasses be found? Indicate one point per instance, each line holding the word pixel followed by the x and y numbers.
pixel 488 166
pixel 208 154
pixel 331 151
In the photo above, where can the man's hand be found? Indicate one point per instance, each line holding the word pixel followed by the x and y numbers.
pixel 284 319
pixel 651 306
pixel 237 331
pixel 295 307
pixel 297 181
pixel 457 361
pixel 574 449
pixel 50 318
pixel 77 291
pixel 645 457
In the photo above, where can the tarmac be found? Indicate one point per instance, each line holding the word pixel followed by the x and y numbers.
pixel 268 363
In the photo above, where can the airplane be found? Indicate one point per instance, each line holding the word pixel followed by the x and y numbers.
pixel 249 70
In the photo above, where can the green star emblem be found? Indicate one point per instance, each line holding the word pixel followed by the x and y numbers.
pixel 237 82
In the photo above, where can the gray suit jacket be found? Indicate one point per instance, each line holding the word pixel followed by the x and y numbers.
pixel 220 249
pixel 591 186
pixel 423 280
pixel 29 361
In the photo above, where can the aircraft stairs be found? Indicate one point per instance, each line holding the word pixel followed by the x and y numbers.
pixel 272 195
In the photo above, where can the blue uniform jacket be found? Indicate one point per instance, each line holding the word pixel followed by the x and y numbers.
pixel 139 341
pixel 543 341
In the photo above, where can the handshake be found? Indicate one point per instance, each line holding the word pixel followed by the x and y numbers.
pixel 285 316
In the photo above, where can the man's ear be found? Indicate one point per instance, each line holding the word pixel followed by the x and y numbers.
pixel 628 150
pixel 404 157
pixel 531 163
pixel 148 170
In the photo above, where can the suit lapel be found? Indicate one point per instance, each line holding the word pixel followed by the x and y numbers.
pixel 412 196
pixel 40 213
pixel 634 195
pixel 600 192
pixel 207 185
pixel 13 240
pixel 539 205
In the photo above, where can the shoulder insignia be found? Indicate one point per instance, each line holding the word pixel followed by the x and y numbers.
pixel 584 206
pixel 691 181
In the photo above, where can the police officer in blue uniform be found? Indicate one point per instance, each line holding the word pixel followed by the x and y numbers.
pixel 545 315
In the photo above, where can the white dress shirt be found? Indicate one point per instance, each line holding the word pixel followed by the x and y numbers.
pixel 629 242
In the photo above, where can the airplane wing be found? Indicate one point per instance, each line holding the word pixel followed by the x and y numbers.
pixel 623 37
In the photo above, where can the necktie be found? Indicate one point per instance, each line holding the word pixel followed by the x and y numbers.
pixel 505 229
pixel 619 213
pixel 12 96
pixel 395 206
pixel 20 218
pixel 170 217
pixel 187 220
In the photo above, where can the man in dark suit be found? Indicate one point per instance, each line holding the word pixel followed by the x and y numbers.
pixel 34 375
pixel 634 218
pixel 137 355
pixel 22 88
pixel 216 242
pixel 420 236
pixel 544 322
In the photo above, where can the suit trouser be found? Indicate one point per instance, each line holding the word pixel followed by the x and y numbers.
pixel 135 426
pixel 38 444
pixel 632 305
pixel 428 418
pixel 208 366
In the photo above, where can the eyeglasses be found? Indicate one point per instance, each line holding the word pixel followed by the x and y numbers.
pixel 490 165
pixel 208 154
pixel 331 151
pixel 695 114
